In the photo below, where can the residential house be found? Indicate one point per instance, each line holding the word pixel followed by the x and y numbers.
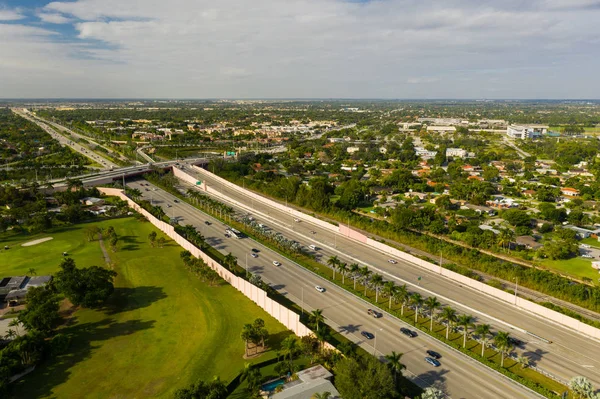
pixel 528 242
pixel 569 192
pixel 311 381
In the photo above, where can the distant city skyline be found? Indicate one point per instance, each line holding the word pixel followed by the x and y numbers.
pixel 300 49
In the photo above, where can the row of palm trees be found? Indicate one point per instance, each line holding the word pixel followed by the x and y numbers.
pixel 399 294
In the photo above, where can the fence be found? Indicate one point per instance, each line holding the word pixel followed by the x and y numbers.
pixel 285 316
pixel 519 302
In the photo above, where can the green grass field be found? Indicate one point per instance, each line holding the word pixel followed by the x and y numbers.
pixel 161 330
pixel 575 267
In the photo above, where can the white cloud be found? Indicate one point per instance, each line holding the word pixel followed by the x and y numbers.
pixel 54 18
pixel 323 48
pixel 10 15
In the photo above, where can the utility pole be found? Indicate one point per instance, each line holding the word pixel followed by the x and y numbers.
pixel 516 288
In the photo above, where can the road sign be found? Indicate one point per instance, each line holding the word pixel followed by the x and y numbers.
pixel 199 182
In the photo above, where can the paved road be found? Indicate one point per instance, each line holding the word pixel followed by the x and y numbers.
pixel 569 355
pixel 106 163
pixel 459 376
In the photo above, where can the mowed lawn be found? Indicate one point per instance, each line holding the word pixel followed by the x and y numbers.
pixel 576 267
pixel 162 329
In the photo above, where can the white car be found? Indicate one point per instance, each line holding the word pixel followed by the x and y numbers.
pixel 319 288
pixel 296 220
pixel 254 255
pixel 585 246
pixel 587 256
pixel 313 247
pixel 276 263
pixel 392 261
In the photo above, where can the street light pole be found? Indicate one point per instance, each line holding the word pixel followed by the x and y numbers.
pixel 516 288
pixel 302 305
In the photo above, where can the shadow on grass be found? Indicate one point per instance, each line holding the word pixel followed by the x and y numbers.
pixel 85 338
pixel 131 243
pixel 125 299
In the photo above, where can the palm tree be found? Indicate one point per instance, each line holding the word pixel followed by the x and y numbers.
pixel 581 387
pixel 252 375
pixel 432 393
pixel 290 346
pixel 376 283
pixel 365 275
pixel 247 335
pixel 449 315
pixel 333 262
pixel 343 268
pixel 324 395
pixel 230 260
pixel 402 295
pixel 483 331
pixel 393 362
pixel 355 272
pixel 523 361
pixel 503 343
pixel 432 304
pixel 31 271
pixel 388 290
pixel 417 301
pixel 465 321
pixel 505 237
pixel 317 317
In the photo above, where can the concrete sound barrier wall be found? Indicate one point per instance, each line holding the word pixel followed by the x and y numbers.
pixel 504 296
pixel 274 204
pixel 285 316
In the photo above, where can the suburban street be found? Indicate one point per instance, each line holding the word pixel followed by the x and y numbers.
pixel 459 376
pixel 570 354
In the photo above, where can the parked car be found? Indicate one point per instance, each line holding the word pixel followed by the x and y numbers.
pixel 587 256
pixel 367 335
pixel 434 354
pixel 433 362
pixel 392 261
pixel 585 246
pixel 408 333
pixel 276 263
pixel 374 313
pixel 319 288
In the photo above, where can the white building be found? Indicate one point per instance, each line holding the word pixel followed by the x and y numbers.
pixel 425 154
pixel 456 152
pixel 441 129
pixel 526 131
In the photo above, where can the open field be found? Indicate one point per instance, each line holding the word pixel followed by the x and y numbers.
pixel 575 267
pixel 162 329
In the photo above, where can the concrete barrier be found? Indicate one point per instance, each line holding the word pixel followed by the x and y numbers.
pixel 504 296
pixel 270 202
pixel 285 316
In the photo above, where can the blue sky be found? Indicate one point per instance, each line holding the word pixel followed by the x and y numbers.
pixel 300 48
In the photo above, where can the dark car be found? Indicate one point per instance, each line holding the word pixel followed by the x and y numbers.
pixel 176 201
pixel 255 250
pixel 433 362
pixel 374 313
pixel 408 333
pixel 207 223
pixel 367 335
pixel 434 354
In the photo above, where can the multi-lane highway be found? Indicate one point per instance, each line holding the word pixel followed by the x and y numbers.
pixel 64 140
pixel 570 354
pixel 459 376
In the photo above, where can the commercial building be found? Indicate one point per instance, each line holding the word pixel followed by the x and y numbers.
pixel 526 131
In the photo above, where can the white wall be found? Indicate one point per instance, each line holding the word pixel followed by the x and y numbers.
pixel 285 316
pixel 477 285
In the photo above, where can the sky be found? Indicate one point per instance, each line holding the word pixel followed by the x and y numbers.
pixel 533 49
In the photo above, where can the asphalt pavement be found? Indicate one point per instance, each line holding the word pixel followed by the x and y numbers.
pixel 570 353
pixel 459 375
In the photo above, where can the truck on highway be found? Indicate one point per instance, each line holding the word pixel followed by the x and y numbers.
pixel 234 233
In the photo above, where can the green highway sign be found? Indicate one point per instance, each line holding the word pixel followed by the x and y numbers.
pixel 199 182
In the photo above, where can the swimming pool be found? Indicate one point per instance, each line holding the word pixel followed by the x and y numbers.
pixel 272 385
